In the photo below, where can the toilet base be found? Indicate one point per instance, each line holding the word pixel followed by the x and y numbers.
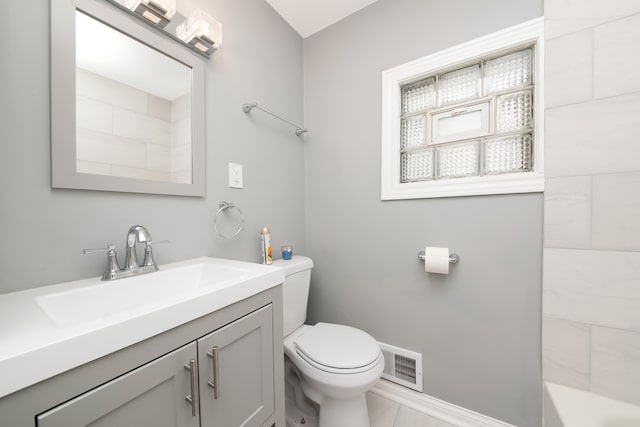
pixel 303 412
pixel 297 418
pixel 299 410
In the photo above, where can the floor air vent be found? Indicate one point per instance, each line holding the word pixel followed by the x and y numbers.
pixel 402 366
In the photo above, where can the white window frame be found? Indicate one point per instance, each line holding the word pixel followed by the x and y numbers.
pixel 530 32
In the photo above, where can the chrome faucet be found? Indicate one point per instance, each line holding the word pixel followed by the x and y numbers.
pixel 136 234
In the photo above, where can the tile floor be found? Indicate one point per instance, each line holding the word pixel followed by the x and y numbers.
pixel 387 413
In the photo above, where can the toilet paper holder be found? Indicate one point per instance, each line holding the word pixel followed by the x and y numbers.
pixel 453 258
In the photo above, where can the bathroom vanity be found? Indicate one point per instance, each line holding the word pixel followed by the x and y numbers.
pixel 198 343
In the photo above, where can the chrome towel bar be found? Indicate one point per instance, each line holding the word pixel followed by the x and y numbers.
pixel 248 107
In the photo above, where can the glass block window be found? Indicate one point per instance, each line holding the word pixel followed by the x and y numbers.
pixel 466 120
pixel 418 96
pixel 490 104
pixel 417 166
pixel 459 85
pixel 458 160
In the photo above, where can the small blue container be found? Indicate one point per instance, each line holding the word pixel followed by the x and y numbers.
pixel 287 252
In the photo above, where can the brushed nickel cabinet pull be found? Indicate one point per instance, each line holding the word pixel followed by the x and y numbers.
pixel 193 399
pixel 215 382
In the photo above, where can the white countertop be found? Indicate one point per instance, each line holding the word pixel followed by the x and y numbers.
pixel 35 346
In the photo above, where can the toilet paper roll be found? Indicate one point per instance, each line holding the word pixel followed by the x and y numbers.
pixel 436 260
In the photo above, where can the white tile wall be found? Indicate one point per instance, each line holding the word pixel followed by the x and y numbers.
pixel 593 137
pixel 181 132
pixel 569 79
pixel 567 212
pixel 159 107
pixel 567 16
pixel 615 367
pixel 93 168
pixel 93 86
pixel 158 158
pixel 591 278
pixel 566 352
pixel 181 158
pixel 141 173
pixel 616 51
pixel 616 211
pixel 142 127
pixel 181 108
pixel 102 148
pixel 593 287
pixel 125 132
pixel 94 115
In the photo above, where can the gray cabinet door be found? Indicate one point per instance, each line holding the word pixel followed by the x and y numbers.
pixel 152 395
pixel 245 367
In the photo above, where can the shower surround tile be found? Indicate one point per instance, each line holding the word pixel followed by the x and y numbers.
pixel 616 210
pixel 617 57
pixel 568 16
pixel 591 266
pixel 108 149
pixel 567 213
pixel 615 365
pixel 569 80
pixel 94 115
pixel 141 127
pixel 593 137
pixel 111 92
pixel 594 287
pixel 565 348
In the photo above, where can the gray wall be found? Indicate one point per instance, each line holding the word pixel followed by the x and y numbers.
pixel 44 230
pixel 478 328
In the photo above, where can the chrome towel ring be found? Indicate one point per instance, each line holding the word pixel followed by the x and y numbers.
pixel 223 206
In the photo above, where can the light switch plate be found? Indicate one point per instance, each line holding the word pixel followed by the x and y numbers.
pixel 235 176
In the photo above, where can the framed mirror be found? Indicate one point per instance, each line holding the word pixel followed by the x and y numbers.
pixel 127 105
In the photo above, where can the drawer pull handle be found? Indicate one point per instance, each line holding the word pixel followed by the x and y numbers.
pixel 215 382
pixel 193 399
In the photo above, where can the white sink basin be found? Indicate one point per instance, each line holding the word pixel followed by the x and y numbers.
pixel 138 294
pixel 73 323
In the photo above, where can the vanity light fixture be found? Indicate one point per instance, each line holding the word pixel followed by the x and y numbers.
pixel 157 12
pixel 201 31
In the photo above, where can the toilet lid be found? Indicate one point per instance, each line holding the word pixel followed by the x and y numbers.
pixel 338 346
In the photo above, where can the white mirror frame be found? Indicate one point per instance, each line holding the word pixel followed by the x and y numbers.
pixel 63 101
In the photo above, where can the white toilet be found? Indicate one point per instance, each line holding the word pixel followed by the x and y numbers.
pixel 328 367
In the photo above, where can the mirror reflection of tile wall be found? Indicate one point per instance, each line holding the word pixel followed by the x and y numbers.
pixel 123 131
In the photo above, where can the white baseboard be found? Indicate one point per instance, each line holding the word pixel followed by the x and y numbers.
pixel 437 408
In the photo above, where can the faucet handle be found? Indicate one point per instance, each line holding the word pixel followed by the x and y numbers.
pixel 112 266
pixel 148 253
pixel 158 242
pixel 109 248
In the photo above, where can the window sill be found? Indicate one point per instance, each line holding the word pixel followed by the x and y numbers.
pixel 529 182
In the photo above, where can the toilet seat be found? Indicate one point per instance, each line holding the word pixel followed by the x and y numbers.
pixel 338 348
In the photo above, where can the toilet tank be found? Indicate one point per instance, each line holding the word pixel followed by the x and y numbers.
pixel 295 291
